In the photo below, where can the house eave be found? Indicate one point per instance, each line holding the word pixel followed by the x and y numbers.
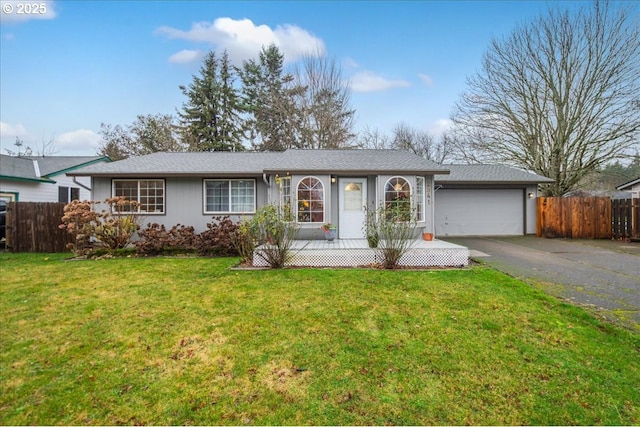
pixel 628 185
pixel 355 172
pixel 44 180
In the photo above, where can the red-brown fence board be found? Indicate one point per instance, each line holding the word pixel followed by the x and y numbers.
pixel 34 227
pixel 587 217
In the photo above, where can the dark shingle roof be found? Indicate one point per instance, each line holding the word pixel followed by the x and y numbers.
pixel 488 174
pixel 355 161
pixel 18 167
pixel 302 161
pixel 50 165
pixel 628 185
pixel 184 164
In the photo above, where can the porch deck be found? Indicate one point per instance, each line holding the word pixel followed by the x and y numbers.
pixel 356 252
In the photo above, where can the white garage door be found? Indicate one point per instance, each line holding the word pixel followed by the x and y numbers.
pixel 479 212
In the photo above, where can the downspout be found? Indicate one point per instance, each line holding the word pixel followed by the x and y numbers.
pixel 268 184
pixel 75 181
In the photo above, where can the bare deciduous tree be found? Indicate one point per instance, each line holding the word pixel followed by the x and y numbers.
pixel 373 138
pixel 148 134
pixel 324 104
pixel 420 142
pixel 557 96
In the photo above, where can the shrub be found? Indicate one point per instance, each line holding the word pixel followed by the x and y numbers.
pixel 244 242
pixel 114 228
pixel 270 229
pixel 218 238
pixel 79 219
pixel 119 223
pixel 156 239
pixel 394 231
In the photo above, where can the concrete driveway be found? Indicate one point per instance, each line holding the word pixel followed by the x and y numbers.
pixel 598 274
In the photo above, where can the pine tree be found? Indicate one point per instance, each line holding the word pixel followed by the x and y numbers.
pixel 269 97
pixel 211 118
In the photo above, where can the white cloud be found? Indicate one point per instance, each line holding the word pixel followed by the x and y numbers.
pixel 185 56
pixel 440 126
pixel 350 63
pixel 426 79
pixel 21 11
pixel 366 81
pixel 9 36
pixel 243 39
pixel 8 130
pixel 78 142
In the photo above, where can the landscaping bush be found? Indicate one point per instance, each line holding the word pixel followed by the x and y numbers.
pixel 392 229
pixel 218 238
pixel 270 229
pixel 156 239
pixel 244 242
pixel 112 228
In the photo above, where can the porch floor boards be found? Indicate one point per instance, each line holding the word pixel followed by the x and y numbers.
pixel 356 252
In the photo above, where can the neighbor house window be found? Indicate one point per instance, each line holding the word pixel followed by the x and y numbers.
pixel 149 193
pixel 397 198
pixel 67 194
pixel 310 200
pixel 230 195
pixel 420 203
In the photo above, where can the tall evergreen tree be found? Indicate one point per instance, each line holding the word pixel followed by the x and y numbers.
pixel 269 97
pixel 211 118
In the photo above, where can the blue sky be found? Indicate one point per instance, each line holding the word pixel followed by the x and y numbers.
pixel 69 65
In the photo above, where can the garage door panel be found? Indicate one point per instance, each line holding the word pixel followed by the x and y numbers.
pixel 479 212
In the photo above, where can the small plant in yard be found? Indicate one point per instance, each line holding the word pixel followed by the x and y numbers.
pixel 114 227
pixel 271 230
pixel 394 229
pixel 244 242
pixel 371 228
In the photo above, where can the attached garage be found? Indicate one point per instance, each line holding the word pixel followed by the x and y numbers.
pixel 489 212
pixel 486 200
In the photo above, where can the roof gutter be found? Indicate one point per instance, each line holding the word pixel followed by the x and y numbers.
pixel 75 181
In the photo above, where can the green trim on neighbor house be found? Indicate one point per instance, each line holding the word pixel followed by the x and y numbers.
pixel 15 178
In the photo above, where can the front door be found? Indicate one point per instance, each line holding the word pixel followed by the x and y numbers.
pixel 353 199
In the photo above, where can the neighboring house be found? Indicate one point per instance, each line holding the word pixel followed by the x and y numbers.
pixel 44 179
pixel 318 186
pixel 486 200
pixel 632 186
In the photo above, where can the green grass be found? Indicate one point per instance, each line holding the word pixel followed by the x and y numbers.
pixel 188 341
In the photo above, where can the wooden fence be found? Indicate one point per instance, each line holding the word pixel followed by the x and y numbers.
pixel 586 217
pixel 33 227
pixel 625 220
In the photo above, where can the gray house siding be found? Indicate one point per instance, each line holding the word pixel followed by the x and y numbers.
pixel 184 201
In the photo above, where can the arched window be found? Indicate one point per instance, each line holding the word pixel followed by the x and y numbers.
pixel 397 198
pixel 310 200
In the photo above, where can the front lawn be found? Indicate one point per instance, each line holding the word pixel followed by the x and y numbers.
pixel 188 341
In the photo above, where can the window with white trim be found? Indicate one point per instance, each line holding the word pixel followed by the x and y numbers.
pixel 149 193
pixel 229 196
pixel 285 197
pixel 310 200
pixel 397 198
pixel 420 202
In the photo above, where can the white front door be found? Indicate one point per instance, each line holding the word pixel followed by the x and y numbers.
pixel 353 199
